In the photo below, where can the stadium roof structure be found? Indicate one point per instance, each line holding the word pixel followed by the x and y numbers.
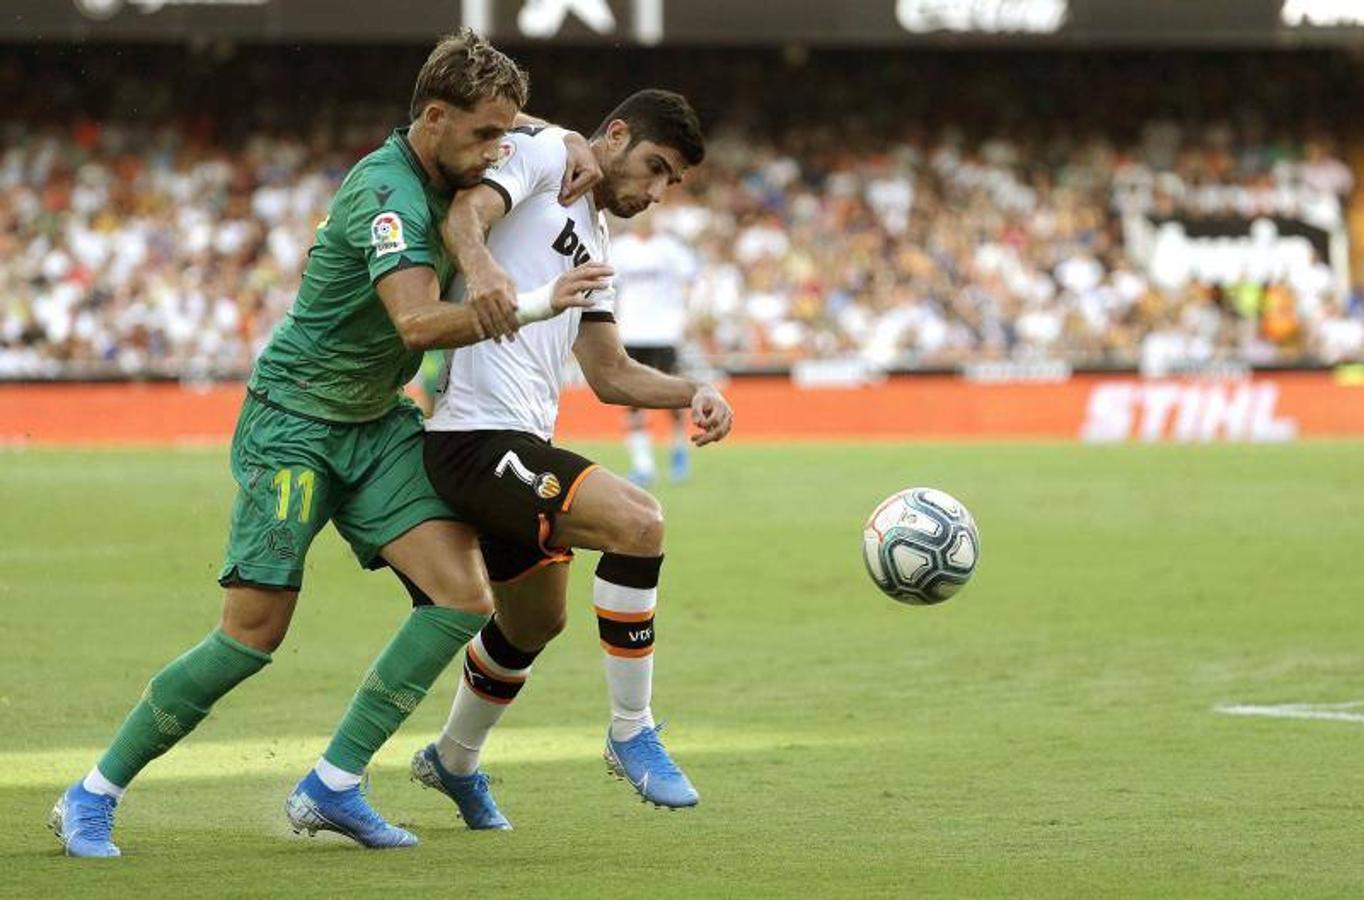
pixel 1015 23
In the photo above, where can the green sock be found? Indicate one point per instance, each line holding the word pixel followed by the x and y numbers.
pixel 177 699
pixel 398 681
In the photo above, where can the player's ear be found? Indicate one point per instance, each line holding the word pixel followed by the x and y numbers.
pixel 433 116
pixel 618 134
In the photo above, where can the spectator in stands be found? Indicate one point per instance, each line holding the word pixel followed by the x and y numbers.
pixel 927 235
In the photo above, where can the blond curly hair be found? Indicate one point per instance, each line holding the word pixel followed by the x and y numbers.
pixel 464 70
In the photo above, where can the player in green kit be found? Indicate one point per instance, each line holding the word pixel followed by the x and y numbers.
pixel 324 435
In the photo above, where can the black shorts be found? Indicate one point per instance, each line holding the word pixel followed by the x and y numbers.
pixel 509 485
pixel 664 359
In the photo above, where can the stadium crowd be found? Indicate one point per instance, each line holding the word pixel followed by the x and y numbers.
pixel 156 229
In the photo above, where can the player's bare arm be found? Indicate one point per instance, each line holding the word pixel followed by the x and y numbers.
pixel 464 232
pixel 490 291
pixel 412 298
pixel 582 172
pixel 617 379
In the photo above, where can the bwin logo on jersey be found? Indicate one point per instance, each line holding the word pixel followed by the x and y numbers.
pixel 568 244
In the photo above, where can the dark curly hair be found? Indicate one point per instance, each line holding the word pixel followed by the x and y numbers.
pixel 662 117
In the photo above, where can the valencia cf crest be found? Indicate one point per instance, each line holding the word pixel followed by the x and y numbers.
pixel 547 486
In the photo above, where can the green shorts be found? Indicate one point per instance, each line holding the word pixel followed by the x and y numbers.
pixel 294 474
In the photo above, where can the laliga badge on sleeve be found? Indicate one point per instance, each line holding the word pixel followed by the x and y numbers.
pixel 386 234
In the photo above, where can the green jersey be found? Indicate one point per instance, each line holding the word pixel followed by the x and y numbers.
pixel 337 355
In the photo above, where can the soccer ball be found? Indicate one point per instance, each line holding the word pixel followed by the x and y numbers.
pixel 920 546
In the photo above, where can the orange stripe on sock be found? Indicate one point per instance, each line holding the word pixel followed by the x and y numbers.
pixel 627 653
pixel 615 616
pixel 489 697
pixel 478 661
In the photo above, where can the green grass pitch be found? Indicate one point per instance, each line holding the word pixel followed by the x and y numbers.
pixel 1050 732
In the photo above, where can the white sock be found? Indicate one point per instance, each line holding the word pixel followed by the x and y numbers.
pixel 486 690
pixel 335 777
pixel 641 451
pixel 625 620
pixel 96 783
pixel 630 682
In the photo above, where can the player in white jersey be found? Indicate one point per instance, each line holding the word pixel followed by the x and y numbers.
pixel 489 455
pixel 653 272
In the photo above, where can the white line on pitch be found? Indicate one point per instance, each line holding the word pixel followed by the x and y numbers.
pixel 1334 712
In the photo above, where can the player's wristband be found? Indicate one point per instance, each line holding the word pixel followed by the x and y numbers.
pixel 535 306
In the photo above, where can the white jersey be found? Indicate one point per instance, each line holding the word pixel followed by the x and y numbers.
pixel 652 277
pixel 514 385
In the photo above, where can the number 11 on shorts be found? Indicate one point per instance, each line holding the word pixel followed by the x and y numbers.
pixel 284 479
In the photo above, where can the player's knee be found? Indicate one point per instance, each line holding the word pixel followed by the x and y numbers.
pixel 467 600
pixel 553 626
pixel 470 598
pixel 651 532
pixel 258 619
pixel 452 585
pixel 641 531
pixel 266 639
pixel 261 633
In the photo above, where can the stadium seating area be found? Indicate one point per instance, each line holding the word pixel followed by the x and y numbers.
pixel 972 218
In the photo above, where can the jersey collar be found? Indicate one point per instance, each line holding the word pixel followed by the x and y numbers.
pixel 400 137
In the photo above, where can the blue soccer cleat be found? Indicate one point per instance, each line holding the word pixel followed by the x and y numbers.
pixel 681 465
pixel 644 763
pixel 470 792
pixel 314 807
pixel 84 822
pixel 640 478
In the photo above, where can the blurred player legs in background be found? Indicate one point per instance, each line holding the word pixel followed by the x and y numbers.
pixel 638 440
pixel 654 271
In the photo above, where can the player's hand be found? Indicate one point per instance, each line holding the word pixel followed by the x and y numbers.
pixel 492 294
pixel 711 413
pixel 581 172
pixel 572 287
